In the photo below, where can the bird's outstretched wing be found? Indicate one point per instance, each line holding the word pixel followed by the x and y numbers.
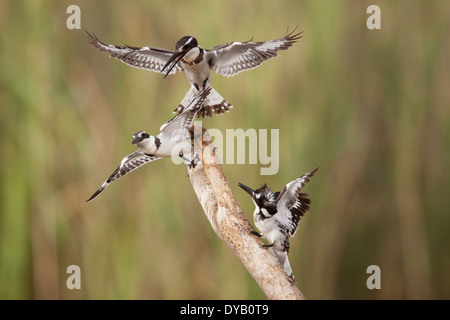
pixel 129 163
pixel 234 57
pixel 152 59
pixel 183 121
pixel 295 202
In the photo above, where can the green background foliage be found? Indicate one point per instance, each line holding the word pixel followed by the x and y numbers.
pixel 371 108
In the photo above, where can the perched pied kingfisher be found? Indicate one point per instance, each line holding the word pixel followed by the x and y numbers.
pixel 278 214
pixel 227 59
pixel 173 140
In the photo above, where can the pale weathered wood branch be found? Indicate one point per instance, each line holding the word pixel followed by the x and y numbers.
pixel 231 225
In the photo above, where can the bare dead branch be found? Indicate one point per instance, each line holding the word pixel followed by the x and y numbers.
pixel 231 225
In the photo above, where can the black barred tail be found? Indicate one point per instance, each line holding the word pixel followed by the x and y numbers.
pixel 214 104
pixel 207 111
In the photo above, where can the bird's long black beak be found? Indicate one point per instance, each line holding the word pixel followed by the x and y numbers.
pixel 177 56
pixel 250 191
pixel 136 139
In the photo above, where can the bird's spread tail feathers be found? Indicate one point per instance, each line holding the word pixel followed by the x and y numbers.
pixel 214 103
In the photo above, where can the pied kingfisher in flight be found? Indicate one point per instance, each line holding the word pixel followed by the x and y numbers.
pixel 278 214
pixel 173 140
pixel 227 59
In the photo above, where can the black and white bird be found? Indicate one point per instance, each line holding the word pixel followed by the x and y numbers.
pixel 277 215
pixel 173 140
pixel 227 59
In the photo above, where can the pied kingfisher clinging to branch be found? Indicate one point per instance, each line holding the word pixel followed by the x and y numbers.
pixel 227 59
pixel 278 214
pixel 173 140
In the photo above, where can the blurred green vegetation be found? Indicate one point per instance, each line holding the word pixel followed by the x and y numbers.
pixel 372 108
